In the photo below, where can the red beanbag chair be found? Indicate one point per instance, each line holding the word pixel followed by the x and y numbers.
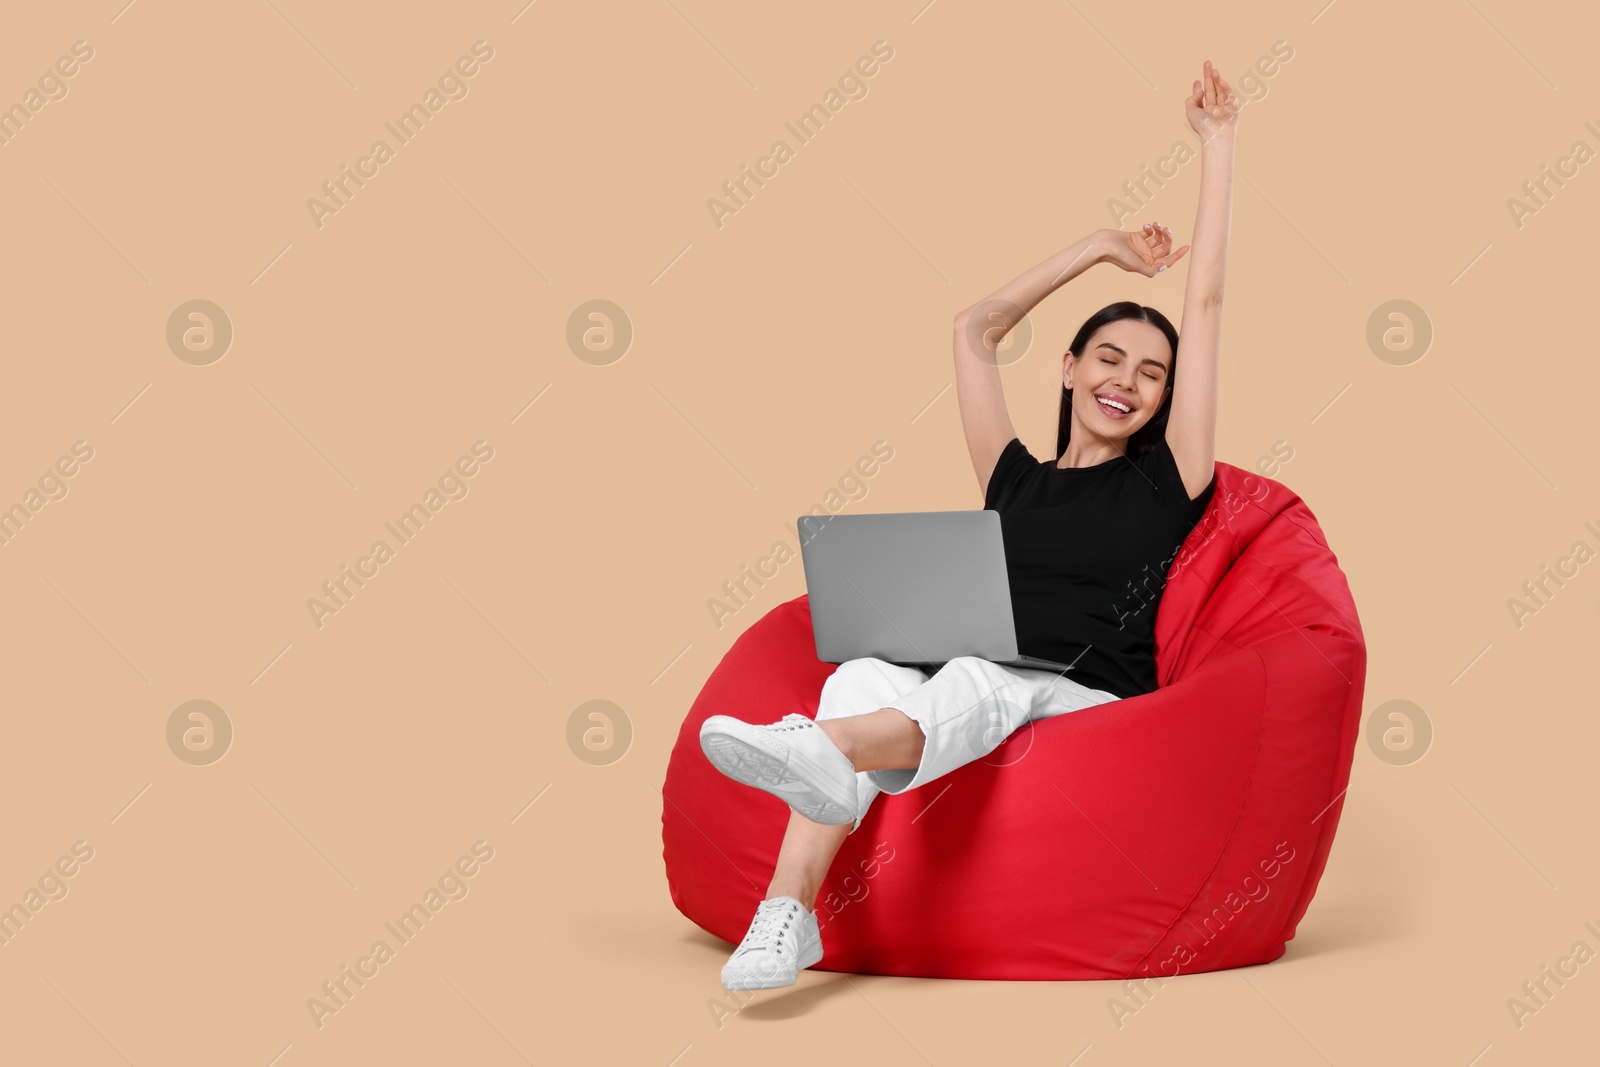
pixel 1181 830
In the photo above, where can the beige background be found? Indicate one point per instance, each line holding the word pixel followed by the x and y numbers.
pixel 432 711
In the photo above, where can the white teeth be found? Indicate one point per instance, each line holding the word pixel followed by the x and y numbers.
pixel 1113 403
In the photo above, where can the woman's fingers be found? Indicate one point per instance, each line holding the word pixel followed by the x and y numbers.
pixel 1156 239
pixel 1157 253
pixel 1225 95
pixel 1153 249
pixel 1169 258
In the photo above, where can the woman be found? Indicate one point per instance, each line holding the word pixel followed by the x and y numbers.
pixel 1088 538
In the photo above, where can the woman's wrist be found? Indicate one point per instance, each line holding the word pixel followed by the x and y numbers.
pixel 1097 245
pixel 1220 142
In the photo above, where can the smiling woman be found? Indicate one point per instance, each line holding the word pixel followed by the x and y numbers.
pixel 1134 469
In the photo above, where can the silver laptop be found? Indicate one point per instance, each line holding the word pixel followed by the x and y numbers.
pixel 917 589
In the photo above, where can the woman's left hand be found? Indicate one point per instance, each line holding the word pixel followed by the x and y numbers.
pixel 1144 251
pixel 1212 109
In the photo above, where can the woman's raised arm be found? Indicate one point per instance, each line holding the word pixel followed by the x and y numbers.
pixel 979 329
pixel 1213 113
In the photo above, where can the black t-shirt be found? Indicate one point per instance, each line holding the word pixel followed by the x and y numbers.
pixel 1087 555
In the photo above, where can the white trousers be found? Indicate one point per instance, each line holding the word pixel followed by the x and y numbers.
pixel 965 709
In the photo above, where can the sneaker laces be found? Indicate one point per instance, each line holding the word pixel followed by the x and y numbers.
pixel 769 926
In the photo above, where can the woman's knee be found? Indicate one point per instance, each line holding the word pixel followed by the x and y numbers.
pixel 871 673
pixel 858 686
pixel 976 664
pixel 975 667
pixel 843 680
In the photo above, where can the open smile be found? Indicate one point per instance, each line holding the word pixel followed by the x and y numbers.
pixel 1113 406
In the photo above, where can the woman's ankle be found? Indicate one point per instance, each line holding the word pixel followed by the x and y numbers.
pixel 893 742
pixel 839 734
pixel 808 900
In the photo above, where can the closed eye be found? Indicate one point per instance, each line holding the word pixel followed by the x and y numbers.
pixel 1154 378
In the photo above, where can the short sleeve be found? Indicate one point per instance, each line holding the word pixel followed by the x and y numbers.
pixel 1009 471
pixel 1161 467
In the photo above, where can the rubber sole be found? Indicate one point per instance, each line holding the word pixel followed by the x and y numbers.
pixel 744 762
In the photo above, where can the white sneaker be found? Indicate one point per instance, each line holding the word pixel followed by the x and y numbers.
pixel 792 759
pixel 782 940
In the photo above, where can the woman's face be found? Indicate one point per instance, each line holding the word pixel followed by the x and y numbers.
pixel 1126 362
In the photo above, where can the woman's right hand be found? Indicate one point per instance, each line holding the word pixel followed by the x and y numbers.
pixel 1212 109
pixel 1146 251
